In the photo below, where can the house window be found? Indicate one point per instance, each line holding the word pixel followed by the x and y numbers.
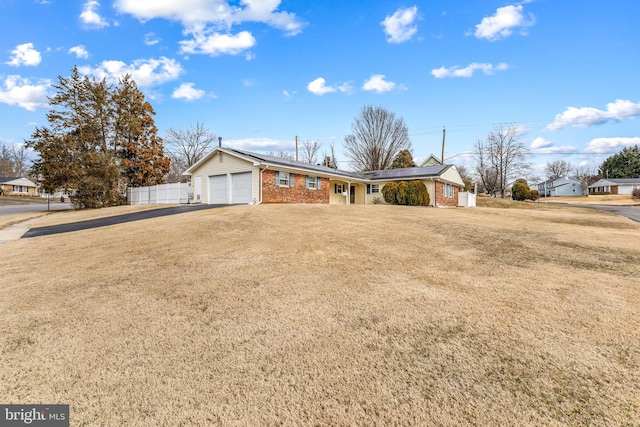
pixel 19 189
pixel 373 188
pixel 447 190
pixel 338 188
pixel 284 179
pixel 313 183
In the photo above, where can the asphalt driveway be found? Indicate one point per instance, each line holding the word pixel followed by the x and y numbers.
pixel 112 220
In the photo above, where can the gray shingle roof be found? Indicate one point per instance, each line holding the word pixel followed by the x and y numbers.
pixel 7 178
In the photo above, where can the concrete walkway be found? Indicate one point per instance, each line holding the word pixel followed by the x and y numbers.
pixel 16 231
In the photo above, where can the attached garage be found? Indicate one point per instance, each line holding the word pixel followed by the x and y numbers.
pixel 241 187
pixel 218 189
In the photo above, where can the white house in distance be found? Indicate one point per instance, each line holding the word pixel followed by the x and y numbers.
pixel 563 186
pixel 614 186
pixel 15 186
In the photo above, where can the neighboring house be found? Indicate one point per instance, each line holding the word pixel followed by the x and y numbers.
pixel 615 185
pixel 563 186
pixel 431 161
pixel 227 175
pixel 17 186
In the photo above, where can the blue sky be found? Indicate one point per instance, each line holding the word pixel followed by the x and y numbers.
pixel 258 73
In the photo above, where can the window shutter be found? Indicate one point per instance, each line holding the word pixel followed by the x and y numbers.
pixel 368 188
pixel 318 181
pixel 277 178
pixel 291 180
pixel 335 188
pixel 306 181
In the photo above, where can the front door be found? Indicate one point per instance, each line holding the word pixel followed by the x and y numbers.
pixel 352 195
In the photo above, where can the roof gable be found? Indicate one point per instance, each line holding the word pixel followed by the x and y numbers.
pixel 17 181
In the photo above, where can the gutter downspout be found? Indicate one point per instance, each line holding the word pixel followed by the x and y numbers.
pixel 261 181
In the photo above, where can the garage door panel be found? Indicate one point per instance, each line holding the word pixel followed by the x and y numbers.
pixel 241 187
pixel 218 189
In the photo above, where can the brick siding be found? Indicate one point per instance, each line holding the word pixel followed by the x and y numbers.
pixel 271 193
pixel 445 201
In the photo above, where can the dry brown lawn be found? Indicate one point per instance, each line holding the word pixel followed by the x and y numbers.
pixel 329 316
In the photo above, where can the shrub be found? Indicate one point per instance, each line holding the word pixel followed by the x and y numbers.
pixel 636 193
pixel 411 193
pixel 390 193
pixel 535 195
pixel 520 191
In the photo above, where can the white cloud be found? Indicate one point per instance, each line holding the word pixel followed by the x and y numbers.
pixel 25 54
pixel 378 84
pixel 151 39
pixel 187 92
pixel 400 27
pixel 260 144
pixel 610 145
pixel 540 143
pixel 541 146
pixel 621 109
pixel 318 87
pixel 503 23
pixel 90 18
pixel 146 72
pixel 79 51
pixel 288 95
pixel 345 88
pixel 218 13
pixel 468 71
pixel 20 91
pixel 215 44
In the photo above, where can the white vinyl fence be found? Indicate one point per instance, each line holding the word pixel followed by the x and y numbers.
pixel 162 194
pixel 466 200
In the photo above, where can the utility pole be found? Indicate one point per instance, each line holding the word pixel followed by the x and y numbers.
pixel 296 148
pixel 444 134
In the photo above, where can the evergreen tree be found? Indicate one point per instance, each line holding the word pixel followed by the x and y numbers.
pixel 139 147
pixel 403 159
pixel 625 164
pixel 100 139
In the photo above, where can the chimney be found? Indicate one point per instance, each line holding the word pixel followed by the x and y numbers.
pixel 219 141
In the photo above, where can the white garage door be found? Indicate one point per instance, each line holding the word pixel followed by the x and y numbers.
pixel 218 189
pixel 241 187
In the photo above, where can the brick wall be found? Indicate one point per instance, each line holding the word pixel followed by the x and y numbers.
pixel 445 201
pixel 271 193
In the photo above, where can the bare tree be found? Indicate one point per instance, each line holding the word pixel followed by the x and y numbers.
pixel 466 177
pixel 185 147
pixel 13 161
pixel 558 169
pixel 288 155
pixel 484 169
pixel 377 137
pixel 501 159
pixel 586 174
pixel 309 152
pixel 329 159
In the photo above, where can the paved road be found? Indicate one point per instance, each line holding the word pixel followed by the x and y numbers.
pixel 10 206
pixel 631 212
pixel 118 219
